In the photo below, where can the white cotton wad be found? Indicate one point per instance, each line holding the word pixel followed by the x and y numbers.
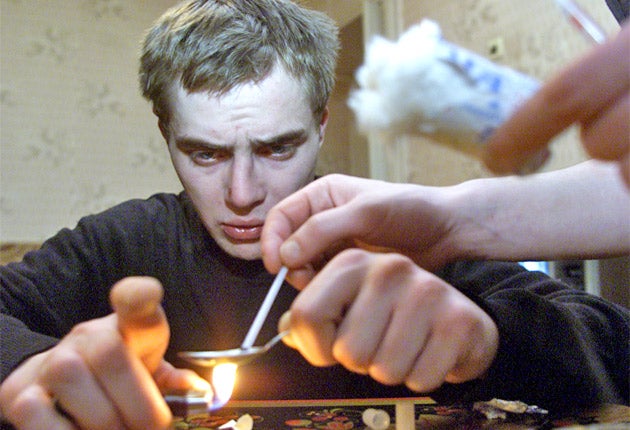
pixel 424 85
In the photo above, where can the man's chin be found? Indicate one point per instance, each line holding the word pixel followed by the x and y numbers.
pixel 244 251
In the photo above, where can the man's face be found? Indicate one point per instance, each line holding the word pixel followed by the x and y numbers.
pixel 239 154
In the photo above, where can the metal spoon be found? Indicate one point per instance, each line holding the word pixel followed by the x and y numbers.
pixel 247 351
pixel 236 355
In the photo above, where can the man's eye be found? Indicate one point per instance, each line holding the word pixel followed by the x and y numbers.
pixel 206 157
pixel 279 151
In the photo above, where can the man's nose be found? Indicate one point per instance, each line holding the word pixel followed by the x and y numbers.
pixel 244 188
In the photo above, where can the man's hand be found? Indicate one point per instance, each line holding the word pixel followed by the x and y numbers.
pixel 335 212
pixel 380 314
pixel 104 374
pixel 594 93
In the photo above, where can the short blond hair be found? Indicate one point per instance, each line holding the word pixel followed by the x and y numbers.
pixel 215 45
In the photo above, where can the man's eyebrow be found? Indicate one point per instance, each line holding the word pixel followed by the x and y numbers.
pixel 196 143
pixel 293 135
pixel 193 143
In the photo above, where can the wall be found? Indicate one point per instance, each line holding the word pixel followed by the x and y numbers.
pixel 345 149
pixel 76 135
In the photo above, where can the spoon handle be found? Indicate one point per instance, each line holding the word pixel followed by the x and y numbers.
pixel 271 342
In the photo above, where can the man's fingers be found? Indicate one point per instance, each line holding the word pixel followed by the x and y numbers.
pixel 33 408
pixel 171 378
pixel 607 136
pixel 131 387
pixel 577 94
pixel 121 371
pixel 287 216
pixel 77 391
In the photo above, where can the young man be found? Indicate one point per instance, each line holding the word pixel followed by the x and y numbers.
pixel 240 91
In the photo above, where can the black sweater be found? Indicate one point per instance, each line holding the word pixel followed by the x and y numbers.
pixel 558 346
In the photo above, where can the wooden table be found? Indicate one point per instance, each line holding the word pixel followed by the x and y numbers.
pixel 347 414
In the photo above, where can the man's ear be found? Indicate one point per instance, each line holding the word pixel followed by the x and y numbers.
pixel 163 129
pixel 162 124
pixel 322 125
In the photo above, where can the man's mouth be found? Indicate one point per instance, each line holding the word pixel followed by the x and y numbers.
pixel 242 232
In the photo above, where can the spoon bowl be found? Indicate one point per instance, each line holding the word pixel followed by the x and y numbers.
pixel 237 356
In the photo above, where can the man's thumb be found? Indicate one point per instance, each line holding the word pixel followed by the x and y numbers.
pixel 141 319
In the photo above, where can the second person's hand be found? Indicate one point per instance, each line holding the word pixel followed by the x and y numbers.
pixel 336 212
pixel 593 92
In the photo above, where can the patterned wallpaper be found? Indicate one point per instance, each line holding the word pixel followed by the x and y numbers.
pixel 76 135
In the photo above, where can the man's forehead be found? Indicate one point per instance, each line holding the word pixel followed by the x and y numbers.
pixel 278 79
pixel 275 104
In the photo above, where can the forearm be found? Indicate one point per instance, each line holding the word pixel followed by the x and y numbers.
pixel 44 296
pixel 579 212
pixel 18 343
pixel 566 351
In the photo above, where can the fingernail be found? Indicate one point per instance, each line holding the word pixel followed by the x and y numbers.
pixel 535 162
pixel 290 251
pixel 284 324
